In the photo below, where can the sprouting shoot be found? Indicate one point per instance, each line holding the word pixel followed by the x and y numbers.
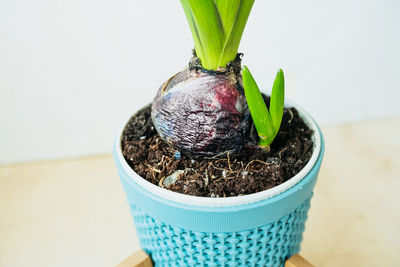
pixel 267 122
pixel 217 27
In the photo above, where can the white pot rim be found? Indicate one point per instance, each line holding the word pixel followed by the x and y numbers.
pixel 226 201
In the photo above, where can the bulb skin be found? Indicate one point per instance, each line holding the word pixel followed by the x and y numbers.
pixel 202 113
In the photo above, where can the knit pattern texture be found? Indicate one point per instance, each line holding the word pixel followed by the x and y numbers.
pixel 268 245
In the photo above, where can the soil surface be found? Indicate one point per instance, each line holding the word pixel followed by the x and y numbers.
pixel 223 175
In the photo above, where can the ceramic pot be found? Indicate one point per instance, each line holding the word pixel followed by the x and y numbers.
pixel 260 229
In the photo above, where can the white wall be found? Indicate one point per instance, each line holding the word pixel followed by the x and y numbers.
pixel 72 71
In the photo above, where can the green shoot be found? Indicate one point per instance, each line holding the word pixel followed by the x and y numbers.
pixel 267 123
pixel 217 27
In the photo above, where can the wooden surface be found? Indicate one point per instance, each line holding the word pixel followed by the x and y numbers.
pixel 298 261
pixel 137 259
pixel 74 212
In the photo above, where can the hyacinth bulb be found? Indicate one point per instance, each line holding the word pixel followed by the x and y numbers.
pixel 202 112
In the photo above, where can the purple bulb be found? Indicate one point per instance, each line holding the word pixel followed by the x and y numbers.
pixel 202 112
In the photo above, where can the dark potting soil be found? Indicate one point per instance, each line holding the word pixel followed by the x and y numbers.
pixel 225 175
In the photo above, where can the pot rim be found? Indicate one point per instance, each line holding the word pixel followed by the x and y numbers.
pixel 226 201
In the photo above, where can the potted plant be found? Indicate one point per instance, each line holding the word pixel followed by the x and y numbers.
pixel 216 173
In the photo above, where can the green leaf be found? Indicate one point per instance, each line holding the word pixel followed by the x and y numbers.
pixel 196 38
pixel 234 35
pixel 217 27
pixel 227 10
pixel 277 100
pixel 209 28
pixel 258 110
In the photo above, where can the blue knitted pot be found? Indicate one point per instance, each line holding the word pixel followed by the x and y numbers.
pixel 261 229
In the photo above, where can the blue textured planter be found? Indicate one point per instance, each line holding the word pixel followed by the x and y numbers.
pixel 261 229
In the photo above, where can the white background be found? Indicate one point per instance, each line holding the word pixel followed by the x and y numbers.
pixel 72 71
